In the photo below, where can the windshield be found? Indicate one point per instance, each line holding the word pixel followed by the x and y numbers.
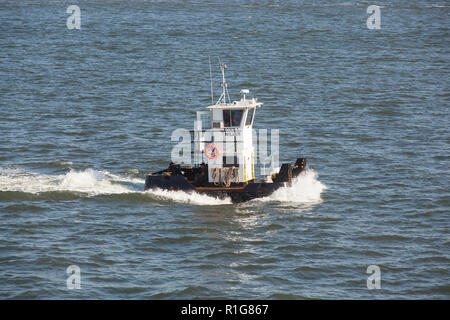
pixel 249 119
pixel 232 118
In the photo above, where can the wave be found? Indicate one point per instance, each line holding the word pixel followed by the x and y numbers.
pixel 188 197
pixel 306 188
pixel 90 182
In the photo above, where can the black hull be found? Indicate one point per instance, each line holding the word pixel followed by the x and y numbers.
pixel 187 179
pixel 236 192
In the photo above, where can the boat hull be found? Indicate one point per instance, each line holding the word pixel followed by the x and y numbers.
pixel 236 192
pixel 182 179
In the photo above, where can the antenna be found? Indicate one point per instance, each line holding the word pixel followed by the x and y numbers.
pixel 210 76
pixel 224 95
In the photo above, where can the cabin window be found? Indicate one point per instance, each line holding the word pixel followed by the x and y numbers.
pixel 232 118
pixel 226 118
pixel 249 119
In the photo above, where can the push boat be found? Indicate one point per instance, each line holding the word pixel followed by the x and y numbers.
pixel 223 152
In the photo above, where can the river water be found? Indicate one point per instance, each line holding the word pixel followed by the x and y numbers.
pixel 85 114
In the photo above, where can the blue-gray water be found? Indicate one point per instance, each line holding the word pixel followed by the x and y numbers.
pixel 85 114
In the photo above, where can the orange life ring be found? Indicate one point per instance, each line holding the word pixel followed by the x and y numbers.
pixel 214 153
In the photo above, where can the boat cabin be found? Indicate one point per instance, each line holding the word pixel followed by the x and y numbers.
pixel 223 138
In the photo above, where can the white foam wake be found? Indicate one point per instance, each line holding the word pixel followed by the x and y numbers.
pixel 191 197
pixel 306 188
pixel 92 183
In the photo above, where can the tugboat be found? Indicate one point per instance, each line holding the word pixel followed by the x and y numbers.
pixel 224 154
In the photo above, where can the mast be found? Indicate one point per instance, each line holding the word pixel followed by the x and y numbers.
pixel 210 77
pixel 223 84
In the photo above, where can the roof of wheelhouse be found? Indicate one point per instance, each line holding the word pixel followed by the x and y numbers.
pixel 239 104
pixel 222 103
